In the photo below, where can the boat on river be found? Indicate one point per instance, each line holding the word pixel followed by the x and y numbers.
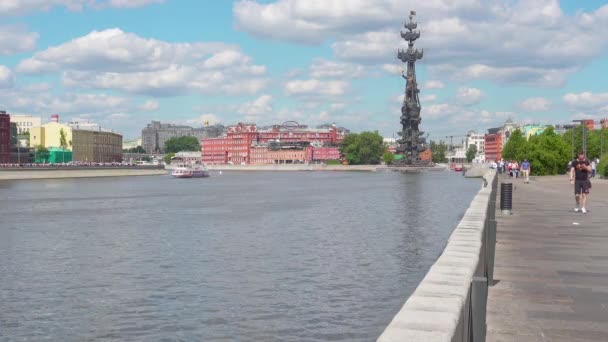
pixel 190 171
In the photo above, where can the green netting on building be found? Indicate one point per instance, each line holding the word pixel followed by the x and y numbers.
pixel 56 156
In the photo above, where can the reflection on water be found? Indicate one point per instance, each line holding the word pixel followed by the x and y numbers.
pixel 239 256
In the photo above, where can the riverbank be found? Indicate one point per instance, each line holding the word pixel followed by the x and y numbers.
pixel 297 167
pixel 319 167
pixel 76 173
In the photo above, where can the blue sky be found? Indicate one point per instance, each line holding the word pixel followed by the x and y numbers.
pixel 123 63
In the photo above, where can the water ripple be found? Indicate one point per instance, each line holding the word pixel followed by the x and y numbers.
pixel 308 256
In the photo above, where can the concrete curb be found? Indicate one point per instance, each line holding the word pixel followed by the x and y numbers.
pixel 438 309
pixel 54 174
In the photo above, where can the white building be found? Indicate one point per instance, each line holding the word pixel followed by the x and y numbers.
pixel 479 141
pixel 25 122
pixel 84 125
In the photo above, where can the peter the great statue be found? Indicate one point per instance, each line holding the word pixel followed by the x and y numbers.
pixel 411 142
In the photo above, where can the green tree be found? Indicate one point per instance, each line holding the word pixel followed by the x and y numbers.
pixel 63 143
pixel 185 143
pixel 363 148
pixel 438 151
pixel 137 149
pixel 388 157
pixel 471 152
pixel 41 154
pixel 515 147
pixel 168 157
pixel 602 167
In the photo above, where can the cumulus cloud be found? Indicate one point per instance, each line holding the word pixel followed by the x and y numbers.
pixel 529 76
pixel 20 99
pixel 20 7
pixel 586 100
pixel 322 68
pixel 530 45
pixel 428 98
pixel 437 111
pixel 535 104
pixel 16 39
pixel 316 88
pixel 469 96
pixel 393 68
pixel 431 84
pixel 150 105
pixel 258 107
pixel 114 59
pixel 132 3
pixel 202 120
pixel 337 106
pixel 6 77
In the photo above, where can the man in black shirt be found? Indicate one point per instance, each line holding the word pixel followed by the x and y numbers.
pixel 579 176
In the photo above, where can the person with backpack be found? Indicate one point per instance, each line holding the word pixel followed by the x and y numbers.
pixel 580 169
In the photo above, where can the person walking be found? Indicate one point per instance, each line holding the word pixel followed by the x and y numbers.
pixel 593 167
pixel 579 176
pixel 525 171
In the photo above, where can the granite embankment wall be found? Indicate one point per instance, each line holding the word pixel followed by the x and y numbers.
pixel 76 173
pixel 297 167
pixel 449 304
pixel 321 167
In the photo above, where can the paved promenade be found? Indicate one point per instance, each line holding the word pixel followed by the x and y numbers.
pixel 551 265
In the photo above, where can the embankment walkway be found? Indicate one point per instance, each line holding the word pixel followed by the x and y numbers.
pixel 22 174
pixel 551 266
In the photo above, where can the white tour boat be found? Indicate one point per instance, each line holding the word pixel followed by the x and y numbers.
pixel 190 171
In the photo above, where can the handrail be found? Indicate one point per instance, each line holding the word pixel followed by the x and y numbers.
pixel 449 304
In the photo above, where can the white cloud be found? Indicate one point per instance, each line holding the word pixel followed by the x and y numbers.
pixel 259 107
pixel 114 50
pixel 314 87
pixel 432 84
pixel 437 111
pixel 132 3
pixel 16 39
pixel 6 77
pixel 428 98
pixel 113 59
pixel 20 7
pixel 337 106
pixel 322 68
pixel 535 104
pixel 529 43
pixel 393 68
pixel 150 106
pixel 529 76
pixel 586 100
pixel 203 119
pixel 469 96
pixel 43 103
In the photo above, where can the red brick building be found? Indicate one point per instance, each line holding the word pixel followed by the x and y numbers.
pixel 246 144
pixel 590 124
pixel 493 146
pixel 5 138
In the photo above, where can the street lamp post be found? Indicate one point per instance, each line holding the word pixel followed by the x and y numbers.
pixel 584 137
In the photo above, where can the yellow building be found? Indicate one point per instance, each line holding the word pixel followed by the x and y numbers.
pixel 88 143
pixel 49 135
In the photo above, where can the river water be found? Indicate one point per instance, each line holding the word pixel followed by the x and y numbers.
pixel 258 256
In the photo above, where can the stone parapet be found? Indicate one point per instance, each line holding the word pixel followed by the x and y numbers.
pixel 440 307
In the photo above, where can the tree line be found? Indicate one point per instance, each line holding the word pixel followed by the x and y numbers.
pixel 549 152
